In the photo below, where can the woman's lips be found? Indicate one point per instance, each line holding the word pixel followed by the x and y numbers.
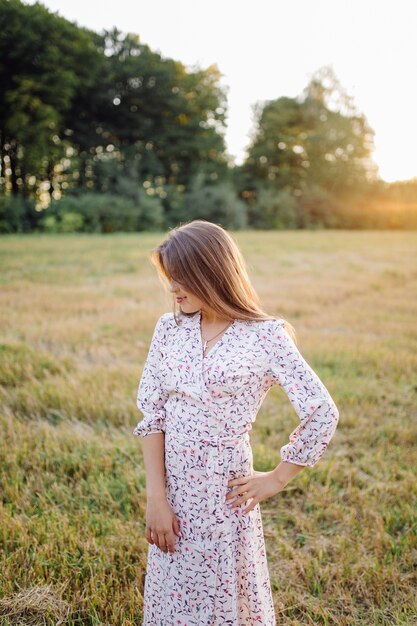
pixel 181 299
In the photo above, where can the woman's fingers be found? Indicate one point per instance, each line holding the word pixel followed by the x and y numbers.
pixel 176 526
pixel 245 496
pixel 164 540
pixel 161 541
pixel 239 481
pixel 239 490
pixel 170 541
pixel 252 505
pixel 241 484
pixel 260 485
pixel 162 532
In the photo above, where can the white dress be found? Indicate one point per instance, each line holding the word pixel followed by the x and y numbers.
pixel 218 574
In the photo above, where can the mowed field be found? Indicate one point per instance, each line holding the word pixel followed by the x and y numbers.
pixel 77 313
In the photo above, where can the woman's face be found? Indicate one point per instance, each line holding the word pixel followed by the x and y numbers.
pixel 188 302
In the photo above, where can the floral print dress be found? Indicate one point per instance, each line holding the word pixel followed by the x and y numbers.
pixel 206 405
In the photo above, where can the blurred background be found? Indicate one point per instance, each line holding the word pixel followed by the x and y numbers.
pixel 293 125
pixel 136 117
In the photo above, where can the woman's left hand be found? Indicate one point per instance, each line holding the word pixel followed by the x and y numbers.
pixel 256 487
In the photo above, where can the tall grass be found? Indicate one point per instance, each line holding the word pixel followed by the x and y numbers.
pixel 76 314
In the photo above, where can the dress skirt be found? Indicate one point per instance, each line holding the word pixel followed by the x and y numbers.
pixel 218 574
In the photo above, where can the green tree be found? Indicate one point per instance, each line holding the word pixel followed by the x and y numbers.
pixel 339 142
pixel 45 60
pixel 72 98
pixel 315 141
pixel 274 155
pixel 161 118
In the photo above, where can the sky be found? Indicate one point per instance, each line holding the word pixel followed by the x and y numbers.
pixel 266 49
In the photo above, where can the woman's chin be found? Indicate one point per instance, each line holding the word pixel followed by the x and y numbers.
pixel 185 307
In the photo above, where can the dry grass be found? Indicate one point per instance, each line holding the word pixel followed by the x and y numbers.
pixel 76 314
pixel 34 606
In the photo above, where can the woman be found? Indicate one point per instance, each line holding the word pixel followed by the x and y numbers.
pixel 209 367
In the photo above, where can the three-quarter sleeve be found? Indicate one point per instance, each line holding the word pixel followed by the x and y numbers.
pixel 151 397
pixel 309 397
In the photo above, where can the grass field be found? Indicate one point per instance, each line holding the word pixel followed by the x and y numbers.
pixel 77 313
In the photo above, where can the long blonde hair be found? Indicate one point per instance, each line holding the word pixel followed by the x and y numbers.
pixel 206 261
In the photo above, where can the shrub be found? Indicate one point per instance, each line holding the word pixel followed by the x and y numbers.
pixel 274 209
pixel 318 208
pixel 18 214
pixel 214 202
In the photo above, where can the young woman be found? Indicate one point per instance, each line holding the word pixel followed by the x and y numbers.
pixel 209 367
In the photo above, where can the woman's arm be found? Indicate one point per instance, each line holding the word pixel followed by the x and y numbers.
pixel 151 395
pixel 316 411
pixel 150 400
pixel 285 472
pixel 153 447
pixel 311 400
pixel 161 523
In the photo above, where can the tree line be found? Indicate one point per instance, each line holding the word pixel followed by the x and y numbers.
pixel 100 133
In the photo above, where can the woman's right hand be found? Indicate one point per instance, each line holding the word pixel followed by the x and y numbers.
pixel 161 524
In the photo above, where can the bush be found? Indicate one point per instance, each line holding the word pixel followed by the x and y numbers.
pixel 18 214
pixel 214 202
pixel 70 222
pixel 274 209
pixel 151 215
pixel 318 208
pixel 102 213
